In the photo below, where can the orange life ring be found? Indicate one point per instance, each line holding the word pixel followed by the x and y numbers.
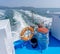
pixel 23 37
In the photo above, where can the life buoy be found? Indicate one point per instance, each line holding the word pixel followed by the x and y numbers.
pixel 23 37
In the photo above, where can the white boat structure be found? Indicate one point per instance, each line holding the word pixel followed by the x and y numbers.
pixel 55 29
pixel 6 39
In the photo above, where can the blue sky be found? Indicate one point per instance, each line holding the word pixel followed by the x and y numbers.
pixel 31 3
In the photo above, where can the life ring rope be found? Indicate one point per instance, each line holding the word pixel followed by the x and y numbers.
pixel 23 37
